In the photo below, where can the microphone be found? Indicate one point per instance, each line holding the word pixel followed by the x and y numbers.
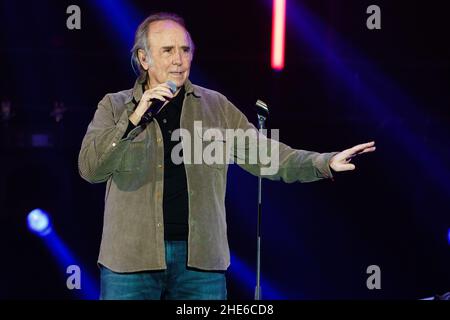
pixel 156 105
pixel 262 111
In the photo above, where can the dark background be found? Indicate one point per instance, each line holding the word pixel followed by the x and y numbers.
pixel 342 85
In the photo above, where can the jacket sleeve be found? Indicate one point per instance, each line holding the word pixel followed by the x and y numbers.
pixel 103 145
pixel 273 159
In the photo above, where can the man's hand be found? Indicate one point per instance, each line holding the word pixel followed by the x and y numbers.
pixel 161 92
pixel 341 161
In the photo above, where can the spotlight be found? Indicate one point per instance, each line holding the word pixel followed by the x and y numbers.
pixel 39 222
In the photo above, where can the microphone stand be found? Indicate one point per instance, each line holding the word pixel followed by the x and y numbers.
pixel 262 112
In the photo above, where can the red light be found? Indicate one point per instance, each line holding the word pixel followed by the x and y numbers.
pixel 278 34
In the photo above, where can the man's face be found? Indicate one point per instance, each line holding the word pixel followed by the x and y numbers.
pixel 171 53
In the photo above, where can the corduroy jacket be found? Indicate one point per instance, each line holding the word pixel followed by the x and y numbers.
pixel 133 169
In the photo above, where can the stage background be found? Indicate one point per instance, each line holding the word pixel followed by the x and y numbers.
pixel 342 85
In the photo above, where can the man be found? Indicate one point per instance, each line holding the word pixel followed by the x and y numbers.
pixel 164 233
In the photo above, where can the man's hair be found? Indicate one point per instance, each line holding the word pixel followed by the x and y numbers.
pixel 141 37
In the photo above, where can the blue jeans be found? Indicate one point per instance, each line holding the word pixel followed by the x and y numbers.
pixel 177 282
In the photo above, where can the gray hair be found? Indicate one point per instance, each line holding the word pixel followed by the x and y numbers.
pixel 141 38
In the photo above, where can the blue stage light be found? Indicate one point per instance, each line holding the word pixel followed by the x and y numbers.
pixel 240 271
pixel 39 222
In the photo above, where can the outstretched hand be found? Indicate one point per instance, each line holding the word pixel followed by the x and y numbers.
pixel 341 161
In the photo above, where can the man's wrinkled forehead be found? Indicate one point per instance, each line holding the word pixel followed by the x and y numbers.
pixel 167 30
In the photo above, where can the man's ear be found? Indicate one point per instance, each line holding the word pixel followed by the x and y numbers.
pixel 143 59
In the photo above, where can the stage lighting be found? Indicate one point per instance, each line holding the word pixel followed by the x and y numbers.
pixel 278 34
pixel 39 222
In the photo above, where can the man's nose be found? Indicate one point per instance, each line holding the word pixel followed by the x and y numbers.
pixel 176 59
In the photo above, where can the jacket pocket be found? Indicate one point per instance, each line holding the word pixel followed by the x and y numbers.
pixel 135 157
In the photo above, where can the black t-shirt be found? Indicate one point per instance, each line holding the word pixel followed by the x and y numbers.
pixel 175 194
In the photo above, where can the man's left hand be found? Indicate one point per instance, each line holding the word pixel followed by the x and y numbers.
pixel 341 161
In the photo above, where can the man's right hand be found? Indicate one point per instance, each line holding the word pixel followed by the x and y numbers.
pixel 161 92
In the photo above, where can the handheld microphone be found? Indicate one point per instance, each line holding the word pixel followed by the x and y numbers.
pixel 156 105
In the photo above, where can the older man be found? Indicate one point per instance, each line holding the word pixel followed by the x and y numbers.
pixel 164 233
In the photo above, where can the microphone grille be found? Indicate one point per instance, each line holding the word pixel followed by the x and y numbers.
pixel 172 85
pixel 263 105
